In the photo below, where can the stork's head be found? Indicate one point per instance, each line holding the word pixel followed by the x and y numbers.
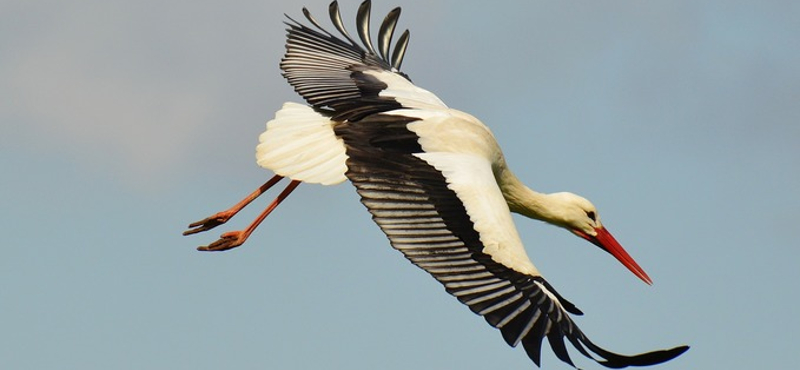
pixel 579 216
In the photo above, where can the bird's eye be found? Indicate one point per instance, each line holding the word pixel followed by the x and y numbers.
pixel 591 215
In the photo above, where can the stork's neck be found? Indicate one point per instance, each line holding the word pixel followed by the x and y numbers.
pixel 527 202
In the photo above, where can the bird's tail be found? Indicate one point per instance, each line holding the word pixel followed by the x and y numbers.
pixel 299 143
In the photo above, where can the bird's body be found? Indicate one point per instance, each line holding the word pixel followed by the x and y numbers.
pixel 302 145
pixel 434 179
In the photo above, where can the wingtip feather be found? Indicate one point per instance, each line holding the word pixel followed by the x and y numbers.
pixel 386 32
pixel 362 18
pixel 336 19
pixel 618 361
pixel 400 50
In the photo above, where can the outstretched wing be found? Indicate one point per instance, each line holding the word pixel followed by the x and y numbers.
pixel 346 79
pixel 445 213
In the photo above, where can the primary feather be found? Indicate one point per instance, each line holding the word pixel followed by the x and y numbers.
pixel 433 178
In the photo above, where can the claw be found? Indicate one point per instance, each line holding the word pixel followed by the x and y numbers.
pixel 226 241
pixel 220 218
pixel 208 223
pixel 234 239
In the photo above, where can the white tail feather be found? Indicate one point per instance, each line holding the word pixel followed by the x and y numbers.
pixel 300 144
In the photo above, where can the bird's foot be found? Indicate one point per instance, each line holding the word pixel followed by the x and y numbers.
pixel 226 241
pixel 208 223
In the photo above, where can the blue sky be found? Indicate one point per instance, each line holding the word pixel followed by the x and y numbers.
pixel 124 121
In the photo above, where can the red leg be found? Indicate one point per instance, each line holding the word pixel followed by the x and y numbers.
pixel 233 239
pixel 220 218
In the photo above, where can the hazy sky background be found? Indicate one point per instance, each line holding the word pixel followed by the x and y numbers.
pixel 123 121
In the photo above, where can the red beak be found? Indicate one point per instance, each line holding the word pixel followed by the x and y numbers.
pixel 606 241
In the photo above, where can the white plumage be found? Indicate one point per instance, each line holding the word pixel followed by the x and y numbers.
pixel 300 144
pixel 433 178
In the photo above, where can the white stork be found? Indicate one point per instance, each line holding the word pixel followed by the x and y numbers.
pixel 433 178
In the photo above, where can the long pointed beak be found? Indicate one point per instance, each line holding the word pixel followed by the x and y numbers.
pixel 606 242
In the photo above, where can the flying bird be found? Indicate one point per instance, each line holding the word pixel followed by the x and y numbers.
pixel 433 178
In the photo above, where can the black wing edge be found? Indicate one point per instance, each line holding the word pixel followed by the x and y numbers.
pixel 526 309
pixel 327 71
pixel 614 360
pixel 546 318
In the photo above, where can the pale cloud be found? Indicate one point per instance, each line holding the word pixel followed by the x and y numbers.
pixel 112 87
pixel 134 126
pixel 131 90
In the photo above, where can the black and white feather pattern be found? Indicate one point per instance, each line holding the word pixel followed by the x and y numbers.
pixel 360 87
pixel 427 222
pixel 330 72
